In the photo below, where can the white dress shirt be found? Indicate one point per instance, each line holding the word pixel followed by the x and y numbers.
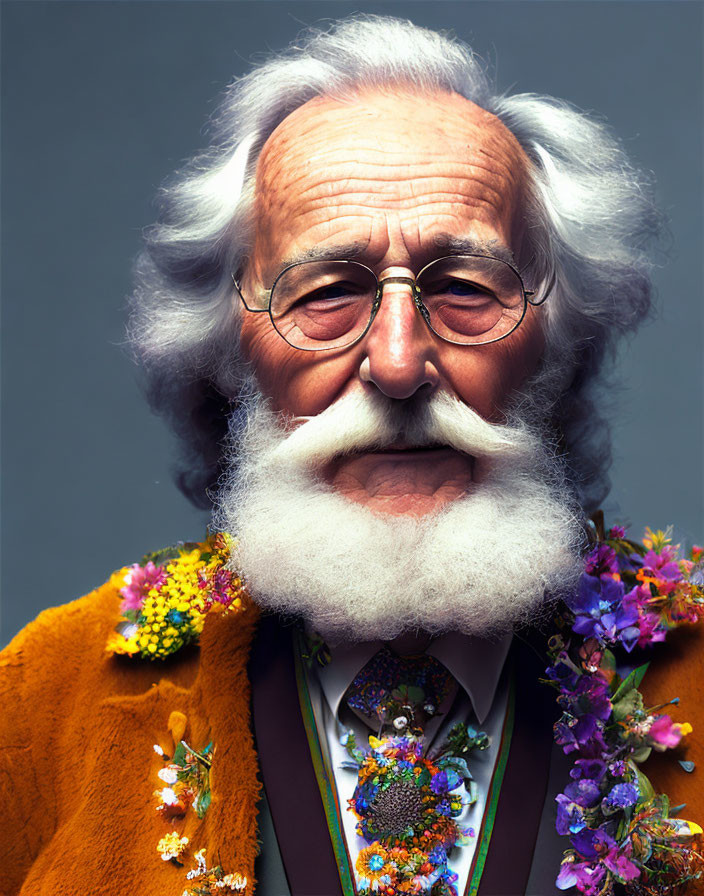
pixel 481 700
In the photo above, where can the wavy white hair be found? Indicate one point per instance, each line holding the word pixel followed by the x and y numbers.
pixel 591 221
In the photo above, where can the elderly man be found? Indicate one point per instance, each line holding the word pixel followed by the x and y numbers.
pixel 375 311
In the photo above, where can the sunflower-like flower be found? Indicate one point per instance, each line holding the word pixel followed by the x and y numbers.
pixel 374 869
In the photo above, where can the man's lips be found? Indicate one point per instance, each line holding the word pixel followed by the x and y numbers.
pixel 424 459
pixel 424 453
pixel 400 478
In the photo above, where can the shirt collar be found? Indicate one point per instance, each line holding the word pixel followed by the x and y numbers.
pixel 476 664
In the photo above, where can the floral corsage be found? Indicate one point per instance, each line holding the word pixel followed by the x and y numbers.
pixel 623 837
pixel 407 805
pixel 166 597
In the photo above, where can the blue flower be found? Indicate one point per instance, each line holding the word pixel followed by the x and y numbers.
pixel 622 795
pixel 440 783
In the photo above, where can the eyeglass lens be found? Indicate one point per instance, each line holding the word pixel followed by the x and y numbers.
pixel 328 304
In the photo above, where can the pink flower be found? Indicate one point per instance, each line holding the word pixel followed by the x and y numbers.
pixel 664 733
pixel 139 581
pixel 663 565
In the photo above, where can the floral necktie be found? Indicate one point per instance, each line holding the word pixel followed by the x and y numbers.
pixel 407 797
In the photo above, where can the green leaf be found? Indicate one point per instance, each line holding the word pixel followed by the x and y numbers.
pixel 647 791
pixel 608 663
pixel 201 803
pixel 631 681
pixel 630 704
pixel 642 754
pixel 423 777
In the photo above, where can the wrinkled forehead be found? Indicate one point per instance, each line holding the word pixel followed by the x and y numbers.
pixel 390 144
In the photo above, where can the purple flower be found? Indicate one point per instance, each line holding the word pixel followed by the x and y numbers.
pixel 593 769
pixel 622 795
pixel 600 846
pixel 583 734
pixel 585 843
pixel 570 815
pixel 439 783
pixel 585 793
pixel 438 855
pixel 593 696
pixel 221 585
pixel 619 862
pixel 601 561
pixel 663 565
pixel 563 673
pixel 586 876
pixel 595 598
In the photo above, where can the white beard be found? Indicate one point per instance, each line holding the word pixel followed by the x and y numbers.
pixel 481 565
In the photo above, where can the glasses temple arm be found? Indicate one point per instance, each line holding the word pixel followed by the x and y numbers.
pixel 530 292
pixel 242 299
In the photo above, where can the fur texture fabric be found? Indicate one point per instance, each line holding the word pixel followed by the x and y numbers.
pixel 78 768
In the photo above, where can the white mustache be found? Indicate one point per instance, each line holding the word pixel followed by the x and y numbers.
pixel 360 422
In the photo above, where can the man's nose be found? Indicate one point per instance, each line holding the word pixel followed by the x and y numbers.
pixel 400 356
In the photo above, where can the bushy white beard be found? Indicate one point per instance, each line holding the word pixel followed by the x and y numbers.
pixel 481 565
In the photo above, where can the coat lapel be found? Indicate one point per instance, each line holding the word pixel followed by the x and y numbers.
pixel 287 769
pixel 525 782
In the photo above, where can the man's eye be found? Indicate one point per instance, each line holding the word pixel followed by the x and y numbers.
pixel 331 293
pixel 464 289
pixel 456 290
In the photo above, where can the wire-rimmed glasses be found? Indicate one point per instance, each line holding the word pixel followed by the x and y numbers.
pixel 464 299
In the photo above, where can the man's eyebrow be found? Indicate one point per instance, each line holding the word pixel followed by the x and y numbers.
pixel 341 252
pixel 441 244
pixel 458 245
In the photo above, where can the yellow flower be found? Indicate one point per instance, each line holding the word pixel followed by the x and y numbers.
pixel 117 643
pixel 235 881
pixel 172 846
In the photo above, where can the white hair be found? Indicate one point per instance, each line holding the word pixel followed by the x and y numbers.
pixel 482 565
pixel 590 220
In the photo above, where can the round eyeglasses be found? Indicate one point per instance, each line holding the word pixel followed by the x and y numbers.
pixel 464 299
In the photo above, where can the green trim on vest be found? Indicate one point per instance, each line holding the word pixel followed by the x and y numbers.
pixel 482 850
pixel 325 778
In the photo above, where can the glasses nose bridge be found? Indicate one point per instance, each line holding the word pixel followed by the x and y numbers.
pixel 410 281
pixel 415 295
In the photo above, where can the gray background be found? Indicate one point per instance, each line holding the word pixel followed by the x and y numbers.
pixel 101 100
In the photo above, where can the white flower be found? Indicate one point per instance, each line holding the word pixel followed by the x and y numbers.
pixel 168 796
pixel 158 750
pixel 168 775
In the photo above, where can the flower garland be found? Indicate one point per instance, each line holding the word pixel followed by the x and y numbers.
pixel 166 597
pixel 406 804
pixel 622 835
